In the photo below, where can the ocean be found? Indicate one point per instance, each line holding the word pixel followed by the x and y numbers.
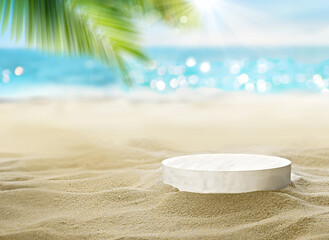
pixel 263 70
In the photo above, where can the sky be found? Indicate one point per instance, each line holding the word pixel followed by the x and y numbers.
pixel 253 22
pixel 243 22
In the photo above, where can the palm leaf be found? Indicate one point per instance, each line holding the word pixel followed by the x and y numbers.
pixel 100 29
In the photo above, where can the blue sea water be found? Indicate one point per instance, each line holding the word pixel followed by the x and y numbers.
pixel 260 70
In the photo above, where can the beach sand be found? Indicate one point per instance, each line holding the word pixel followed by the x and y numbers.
pixel 90 169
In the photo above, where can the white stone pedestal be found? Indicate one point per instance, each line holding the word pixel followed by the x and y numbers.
pixel 226 173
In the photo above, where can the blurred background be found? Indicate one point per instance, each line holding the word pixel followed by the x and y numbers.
pixel 242 46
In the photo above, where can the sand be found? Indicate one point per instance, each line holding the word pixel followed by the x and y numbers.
pixel 90 169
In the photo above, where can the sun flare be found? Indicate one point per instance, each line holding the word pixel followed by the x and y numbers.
pixel 205 6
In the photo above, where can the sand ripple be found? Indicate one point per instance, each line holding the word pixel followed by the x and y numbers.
pixel 92 171
pixel 131 202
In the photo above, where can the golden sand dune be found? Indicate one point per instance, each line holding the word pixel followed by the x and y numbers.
pixel 91 169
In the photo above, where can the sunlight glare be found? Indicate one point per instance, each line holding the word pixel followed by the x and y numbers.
pixel 161 85
pixel 205 6
pixel 173 83
pixel 19 71
pixel 190 62
pixel 205 67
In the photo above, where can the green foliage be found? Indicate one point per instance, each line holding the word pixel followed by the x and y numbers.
pixel 101 29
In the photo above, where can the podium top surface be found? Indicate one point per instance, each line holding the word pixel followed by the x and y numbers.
pixel 226 162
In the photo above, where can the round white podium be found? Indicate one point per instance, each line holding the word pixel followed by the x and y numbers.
pixel 226 173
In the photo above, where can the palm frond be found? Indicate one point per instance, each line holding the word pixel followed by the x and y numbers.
pixel 100 29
